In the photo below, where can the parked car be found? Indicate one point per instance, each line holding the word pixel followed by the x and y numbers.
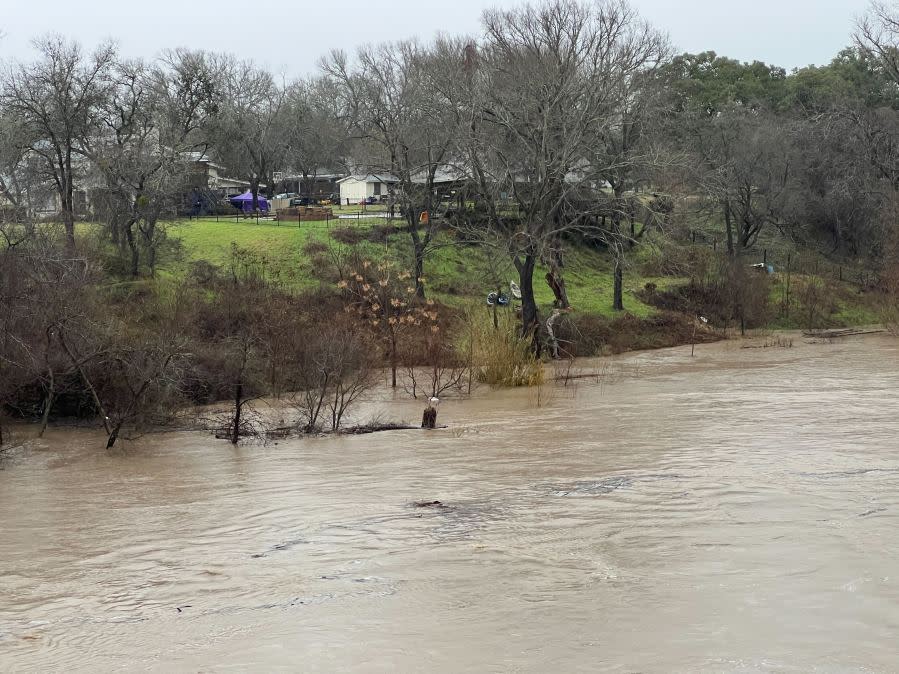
pixel 304 201
pixel 369 200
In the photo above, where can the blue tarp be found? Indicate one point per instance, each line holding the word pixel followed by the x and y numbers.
pixel 245 202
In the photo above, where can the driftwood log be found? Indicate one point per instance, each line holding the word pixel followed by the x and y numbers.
pixel 833 334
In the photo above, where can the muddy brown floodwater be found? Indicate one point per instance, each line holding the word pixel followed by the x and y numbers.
pixel 738 511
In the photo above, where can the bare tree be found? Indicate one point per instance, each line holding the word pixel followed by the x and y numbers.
pixel 395 97
pixel 55 97
pixel 626 153
pixel 314 131
pixel 141 149
pixel 54 297
pixel 248 131
pixel 877 34
pixel 142 376
pixel 441 370
pixel 13 291
pixel 21 181
pixel 548 83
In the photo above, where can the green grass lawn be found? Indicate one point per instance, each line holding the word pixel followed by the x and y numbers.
pixel 454 274
pixel 461 275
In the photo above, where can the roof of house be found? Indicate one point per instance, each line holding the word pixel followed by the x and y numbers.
pixel 371 178
pixel 443 174
pixel 314 176
pixel 201 158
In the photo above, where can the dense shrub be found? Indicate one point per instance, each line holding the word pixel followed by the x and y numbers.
pixel 501 356
pixel 737 295
pixel 593 335
pixel 583 335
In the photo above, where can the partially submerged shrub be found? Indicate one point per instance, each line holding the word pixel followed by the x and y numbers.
pixel 817 301
pixel 333 370
pixel 583 335
pixel 502 357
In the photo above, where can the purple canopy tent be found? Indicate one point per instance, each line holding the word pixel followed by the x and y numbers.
pixel 245 202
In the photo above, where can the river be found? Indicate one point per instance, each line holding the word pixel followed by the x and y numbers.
pixel 737 511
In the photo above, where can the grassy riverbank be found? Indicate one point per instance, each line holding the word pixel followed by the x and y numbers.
pixel 455 274
pixel 459 275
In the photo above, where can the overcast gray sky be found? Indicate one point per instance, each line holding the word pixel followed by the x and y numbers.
pixel 290 36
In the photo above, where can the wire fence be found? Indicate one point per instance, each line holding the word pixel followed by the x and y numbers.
pixel 300 221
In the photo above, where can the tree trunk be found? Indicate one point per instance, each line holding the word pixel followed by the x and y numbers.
pixel 419 250
pixel 114 435
pixel 48 403
pixel 429 418
pixel 556 283
pixel 495 308
pixel 254 187
pixel 550 330
pixel 67 203
pixel 618 289
pixel 68 220
pixel 617 253
pixel 51 385
pixel 132 246
pixel 729 228
pixel 393 361
pixel 149 242
pixel 530 321
pixel 238 404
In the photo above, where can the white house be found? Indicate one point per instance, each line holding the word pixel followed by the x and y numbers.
pixel 355 188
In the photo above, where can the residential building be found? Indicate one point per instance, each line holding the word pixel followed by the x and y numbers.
pixel 356 188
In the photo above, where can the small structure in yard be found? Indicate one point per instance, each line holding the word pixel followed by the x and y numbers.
pixel 304 214
pixel 357 188
pixel 244 202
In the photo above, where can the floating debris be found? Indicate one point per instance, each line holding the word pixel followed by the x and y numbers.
pixel 429 504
